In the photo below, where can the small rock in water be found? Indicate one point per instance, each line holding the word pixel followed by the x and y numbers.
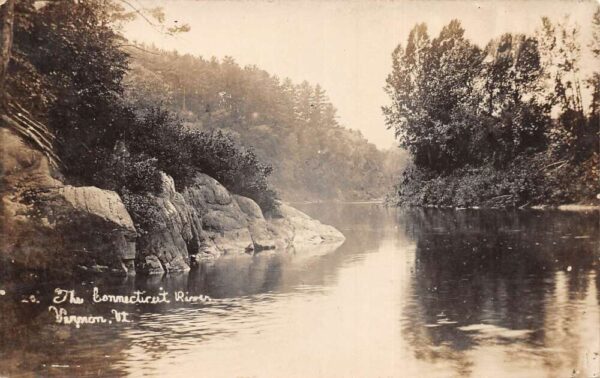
pixel 569 268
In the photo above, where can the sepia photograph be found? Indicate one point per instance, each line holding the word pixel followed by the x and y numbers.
pixel 300 188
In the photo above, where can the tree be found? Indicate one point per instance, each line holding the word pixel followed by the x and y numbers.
pixel 74 47
pixel 406 113
pixel 594 81
pixel 512 95
pixel 576 136
pixel 318 102
pixel 454 64
pixel 7 16
pixel 430 83
pixel 561 52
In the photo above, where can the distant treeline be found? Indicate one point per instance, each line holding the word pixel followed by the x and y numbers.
pixel 503 125
pixel 292 127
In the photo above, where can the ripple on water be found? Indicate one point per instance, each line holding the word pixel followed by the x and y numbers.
pixel 410 293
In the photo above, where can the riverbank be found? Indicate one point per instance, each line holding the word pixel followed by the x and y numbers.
pixel 527 182
pixel 565 208
pixel 49 226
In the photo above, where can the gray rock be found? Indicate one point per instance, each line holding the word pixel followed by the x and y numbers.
pixel 225 227
pixel 49 226
pixel 104 204
pixel 61 228
pixel 92 223
pixel 262 238
pixel 294 229
pixel 166 248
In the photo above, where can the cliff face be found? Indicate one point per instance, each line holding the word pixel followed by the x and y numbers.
pixel 49 226
pixel 205 221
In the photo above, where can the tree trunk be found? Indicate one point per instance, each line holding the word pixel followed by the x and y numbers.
pixel 7 17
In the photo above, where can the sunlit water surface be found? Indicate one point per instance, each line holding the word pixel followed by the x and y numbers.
pixel 411 293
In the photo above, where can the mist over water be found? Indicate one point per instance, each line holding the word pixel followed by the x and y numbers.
pixel 410 293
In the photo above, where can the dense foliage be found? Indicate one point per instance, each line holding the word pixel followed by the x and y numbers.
pixel 68 67
pixel 181 151
pixel 293 127
pixel 479 122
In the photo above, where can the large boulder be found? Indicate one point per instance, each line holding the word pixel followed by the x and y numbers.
pixel 225 228
pixel 52 227
pixel 294 229
pixel 262 238
pixel 176 230
pixel 93 227
pixel 104 204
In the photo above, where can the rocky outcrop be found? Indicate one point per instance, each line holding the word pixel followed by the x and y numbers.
pixel 300 231
pixel 94 228
pixel 205 221
pixel 47 225
pixel 224 225
pixel 233 224
pixel 262 238
pixel 176 231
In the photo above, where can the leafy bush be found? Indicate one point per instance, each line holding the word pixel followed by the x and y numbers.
pixel 526 181
pixel 181 152
pixel 126 173
pixel 143 211
pixel 67 70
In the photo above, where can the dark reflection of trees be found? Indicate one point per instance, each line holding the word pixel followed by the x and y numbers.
pixel 471 267
pixel 494 267
pixel 598 286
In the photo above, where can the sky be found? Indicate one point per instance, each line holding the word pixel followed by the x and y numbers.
pixel 345 46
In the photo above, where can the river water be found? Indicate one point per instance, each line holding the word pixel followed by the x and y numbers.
pixel 411 293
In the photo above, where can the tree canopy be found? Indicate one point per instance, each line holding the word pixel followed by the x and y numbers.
pixel 461 108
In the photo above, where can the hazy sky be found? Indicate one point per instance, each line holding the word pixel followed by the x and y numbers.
pixel 343 45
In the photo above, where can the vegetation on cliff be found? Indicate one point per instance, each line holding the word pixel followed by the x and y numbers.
pixel 503 125
pixel 134 186
pixel 120 113
pixel 67 69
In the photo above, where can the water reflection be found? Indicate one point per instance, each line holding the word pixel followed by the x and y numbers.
pixel 506 293
pixel 410 293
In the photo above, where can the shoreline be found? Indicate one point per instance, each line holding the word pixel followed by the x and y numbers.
pixel 562 207
pixel 363 202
